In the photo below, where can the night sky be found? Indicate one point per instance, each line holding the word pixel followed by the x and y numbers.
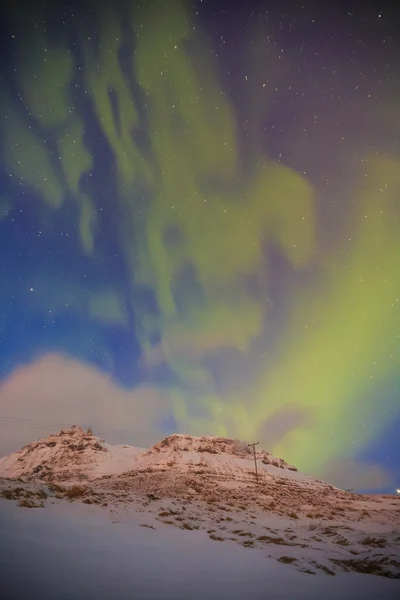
pixel 200 206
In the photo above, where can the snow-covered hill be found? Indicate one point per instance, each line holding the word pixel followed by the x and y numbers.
pixel 74 454
pixel 70 455
pixel 209 484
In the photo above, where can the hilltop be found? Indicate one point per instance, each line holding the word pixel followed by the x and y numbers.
pixel 208 483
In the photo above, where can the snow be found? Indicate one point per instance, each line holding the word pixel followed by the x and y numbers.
pixel 70 551
pixel 191 509
pixel 72 454
pixel 118 460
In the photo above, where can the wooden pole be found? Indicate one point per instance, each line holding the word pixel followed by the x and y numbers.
pixel 254 444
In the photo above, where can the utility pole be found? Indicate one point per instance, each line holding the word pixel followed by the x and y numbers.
pixel 254 444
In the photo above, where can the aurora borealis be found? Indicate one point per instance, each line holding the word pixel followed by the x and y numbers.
pixel 203 200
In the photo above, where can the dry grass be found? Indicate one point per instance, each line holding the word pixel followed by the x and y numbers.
pixel 211 500
pixel 328 531
pixel 30 503
pixel 373 566
pixel 76 491
pixel 342 541
pixel 274 540
pixel 41 494
pixel 323 568
pixel 27 499
pixel 10 494
pixel 375 542
pixel 55 487
pixel 287 560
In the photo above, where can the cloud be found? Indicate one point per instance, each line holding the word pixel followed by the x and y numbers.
pixel 283 421
pixel 348 473
pixel 56 392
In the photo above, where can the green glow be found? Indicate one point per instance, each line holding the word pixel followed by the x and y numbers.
pixel 45 82
pixel 28 159
pixel 202 230
pixel 46 73
pixel 109 307
pixel 351 342
pixel 103 74
pixel 76 161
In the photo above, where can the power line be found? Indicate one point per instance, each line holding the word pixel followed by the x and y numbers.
pixel 39 424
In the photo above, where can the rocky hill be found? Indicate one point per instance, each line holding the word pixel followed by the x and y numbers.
pixel 69 455
pixel 209 483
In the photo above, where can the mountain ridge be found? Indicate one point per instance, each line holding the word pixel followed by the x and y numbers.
pixel 209 483
pixel 74 452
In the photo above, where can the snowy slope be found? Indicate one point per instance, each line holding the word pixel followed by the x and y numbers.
pixel 70 455
pixel 189 467
pixel 207 486
pixel 74 551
